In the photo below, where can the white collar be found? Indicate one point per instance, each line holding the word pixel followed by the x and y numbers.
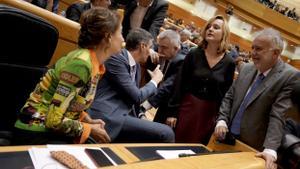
pixel 265 73
pixel 131 59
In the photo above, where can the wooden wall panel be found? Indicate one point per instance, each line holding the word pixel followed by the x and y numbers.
pixel 295 63
pixel 63 47
pixel 185 15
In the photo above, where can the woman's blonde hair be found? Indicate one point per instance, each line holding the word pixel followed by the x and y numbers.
pixel 224 45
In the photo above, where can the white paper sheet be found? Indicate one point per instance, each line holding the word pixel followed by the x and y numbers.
pixel 172 154
pixel 41 158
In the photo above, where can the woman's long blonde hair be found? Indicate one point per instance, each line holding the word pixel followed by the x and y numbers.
pixel 224 45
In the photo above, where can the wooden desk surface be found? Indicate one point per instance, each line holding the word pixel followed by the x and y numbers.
pixel 119 149
pixel 245 160
pixel 215 161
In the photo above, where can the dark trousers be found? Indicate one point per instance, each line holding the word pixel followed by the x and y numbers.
pixel 137 130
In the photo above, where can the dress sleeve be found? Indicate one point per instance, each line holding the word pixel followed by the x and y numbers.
pixel 72 77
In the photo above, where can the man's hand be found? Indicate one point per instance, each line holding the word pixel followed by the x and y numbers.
pixel 154 56
pixel 220 132
pixel 171 121
pixel 270 160
pixel 156 74
pixel 99 134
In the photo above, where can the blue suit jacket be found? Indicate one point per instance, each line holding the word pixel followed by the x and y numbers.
pixel 117 93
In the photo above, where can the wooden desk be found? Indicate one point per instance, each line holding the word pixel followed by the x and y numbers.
pixel 244 160
pixel 216 161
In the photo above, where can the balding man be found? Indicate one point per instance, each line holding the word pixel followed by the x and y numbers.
pixel 253 108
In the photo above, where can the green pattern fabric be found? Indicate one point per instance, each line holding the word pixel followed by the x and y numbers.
pixel 63 93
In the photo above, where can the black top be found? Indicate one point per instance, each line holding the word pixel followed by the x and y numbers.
pixel 197 78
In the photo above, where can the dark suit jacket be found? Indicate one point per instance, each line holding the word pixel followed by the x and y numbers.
pixel 153 19
pixel 75 10
pixel 262 122
pixel 161 98
pixel 117 93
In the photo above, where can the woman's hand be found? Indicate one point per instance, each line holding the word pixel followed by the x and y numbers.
pixel 171 121
pixel 88 119
pixel 99 134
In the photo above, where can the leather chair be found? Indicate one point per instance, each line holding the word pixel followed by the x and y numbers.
pixel 289 152
pixel 27 43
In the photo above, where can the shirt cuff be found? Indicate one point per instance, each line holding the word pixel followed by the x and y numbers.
pixel 82 115
pixel 147 105
pixel 221 123
pixel 85 133
pixel 155 84
pixel 271 152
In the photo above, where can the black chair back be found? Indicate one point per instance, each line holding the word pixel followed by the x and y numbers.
pixel 27 43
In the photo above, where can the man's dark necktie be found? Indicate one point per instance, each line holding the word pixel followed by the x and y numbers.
pixel 236 123
pixel 166 65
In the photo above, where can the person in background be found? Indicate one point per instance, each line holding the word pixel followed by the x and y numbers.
pixel 55 110
pixel 185 36
pixel 253 108
pixel 200 86
pixel 50 5
pixel 75 10
pixel 146 14
pixel 118 96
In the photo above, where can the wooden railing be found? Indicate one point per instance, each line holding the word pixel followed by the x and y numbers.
pixel 263 16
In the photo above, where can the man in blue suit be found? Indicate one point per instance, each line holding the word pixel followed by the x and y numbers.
pixel 118 96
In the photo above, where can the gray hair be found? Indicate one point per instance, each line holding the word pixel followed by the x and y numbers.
pixel 186 32
pixel 172 36
pixel 277 41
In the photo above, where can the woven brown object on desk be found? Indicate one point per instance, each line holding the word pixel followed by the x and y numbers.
pixel 67 159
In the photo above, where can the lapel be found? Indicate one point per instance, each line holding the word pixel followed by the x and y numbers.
pixel 125 55
pixel 246 82
pixel 138 74
pixel 137 68
pixel 268 81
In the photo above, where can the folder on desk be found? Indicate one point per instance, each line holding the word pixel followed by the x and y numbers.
pixel 145 153
pixel 21 159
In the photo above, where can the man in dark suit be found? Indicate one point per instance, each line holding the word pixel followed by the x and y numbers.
pixel 75 10
pixel 118 95
pixel 173 54
pixel 253 108
pixel 146 14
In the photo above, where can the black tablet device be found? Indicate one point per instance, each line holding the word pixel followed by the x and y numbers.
pixel 98 157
